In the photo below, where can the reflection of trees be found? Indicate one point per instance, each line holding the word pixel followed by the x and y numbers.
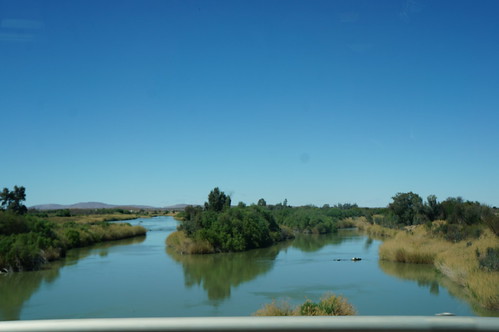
pixel 428 276
pixel 17 288
pixel 424 275
pixel 218 273
pixel 368 243
pixel 101 249
pixel 315 242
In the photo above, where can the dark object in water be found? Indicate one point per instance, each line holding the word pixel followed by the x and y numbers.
pixel 355 259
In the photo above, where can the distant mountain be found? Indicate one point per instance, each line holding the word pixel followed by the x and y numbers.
pixel 90 205
pixel 99 205
pixel 178 206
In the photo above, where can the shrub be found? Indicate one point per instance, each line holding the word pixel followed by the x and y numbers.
pixel 329 305
pixel 275 309
pixel 490 261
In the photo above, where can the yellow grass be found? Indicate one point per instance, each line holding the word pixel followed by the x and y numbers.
pixel 374 230
pixel 95 218
pixel 458 261
pixel 275 309
pixel 184 245
pixel 329 305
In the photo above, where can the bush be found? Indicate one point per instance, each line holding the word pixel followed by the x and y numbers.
pixel 23 251
pixel 490 261
pixel 11 223
pixel 275 309
pixel 329 305
pixel 455 232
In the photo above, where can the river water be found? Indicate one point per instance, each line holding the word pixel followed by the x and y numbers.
pixel 140 277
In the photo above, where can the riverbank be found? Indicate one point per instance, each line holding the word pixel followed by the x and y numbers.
pixel 464 262
pixel 28 242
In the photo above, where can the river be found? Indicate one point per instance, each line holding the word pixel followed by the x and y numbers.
pixel 140 278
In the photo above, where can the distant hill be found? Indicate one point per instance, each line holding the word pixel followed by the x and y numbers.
pixel 99 205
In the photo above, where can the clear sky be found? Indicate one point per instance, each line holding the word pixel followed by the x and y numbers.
pixel 158 102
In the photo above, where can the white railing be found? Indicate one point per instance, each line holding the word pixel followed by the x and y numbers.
pixel 261 324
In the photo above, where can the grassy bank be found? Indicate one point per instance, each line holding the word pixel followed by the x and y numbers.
pixel 329 305
pixel 27 242
pixel 471 263
pixel 183 244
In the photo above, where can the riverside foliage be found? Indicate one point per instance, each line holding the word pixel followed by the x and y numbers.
pixel 459 238
pixel 219 227
pixel 329 305
pixel 27 241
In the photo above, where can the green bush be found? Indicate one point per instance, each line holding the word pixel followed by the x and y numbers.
pixel 490 261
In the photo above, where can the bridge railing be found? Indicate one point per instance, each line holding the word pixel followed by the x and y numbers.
pixel 261 324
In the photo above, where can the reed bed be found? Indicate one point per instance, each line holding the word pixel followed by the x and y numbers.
pixel 183 244
pixel 459 261
pixel 374 230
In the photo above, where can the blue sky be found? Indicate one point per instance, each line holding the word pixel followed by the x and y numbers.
pixel 158 102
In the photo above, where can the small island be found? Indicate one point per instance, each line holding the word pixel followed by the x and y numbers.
pixel 220 227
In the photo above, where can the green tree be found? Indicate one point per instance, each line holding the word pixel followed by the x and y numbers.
pixel 261 202
pixel 408 208
pixel 11 200
pixel 217 201
pixel 433 208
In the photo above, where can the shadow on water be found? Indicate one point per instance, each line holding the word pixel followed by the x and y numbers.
pixel 17 288
pixel 427 276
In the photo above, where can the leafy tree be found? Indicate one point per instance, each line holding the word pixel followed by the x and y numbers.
pixel 11 200
pixel 433 208
pixel 408 208
pixel 261 202
pixel 217 201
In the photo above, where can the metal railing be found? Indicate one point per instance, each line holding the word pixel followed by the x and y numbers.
pixel 261 324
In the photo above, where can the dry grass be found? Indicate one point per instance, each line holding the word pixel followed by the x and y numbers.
pixel 275 309
pixel 329 305
pixel 94 218
pixel 373 230
pixel 461 265
pixel 458 261
pixel 185 245
pixel 412 248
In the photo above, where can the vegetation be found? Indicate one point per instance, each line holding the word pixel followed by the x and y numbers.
pixel 313 220
pixel 221 228
pixel 28 241
pixel 460 238
pixel 329 305
pixel 219 274
pixel 218 227
pixel 11 200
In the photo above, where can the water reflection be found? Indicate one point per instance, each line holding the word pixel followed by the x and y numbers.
pixel 315 242
pixel 17 288
pixel 428 276
pixel 218 273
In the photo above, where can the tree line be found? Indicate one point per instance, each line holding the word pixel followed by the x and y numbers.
pixel 242 227
pixel 463 218
pixel 28 241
